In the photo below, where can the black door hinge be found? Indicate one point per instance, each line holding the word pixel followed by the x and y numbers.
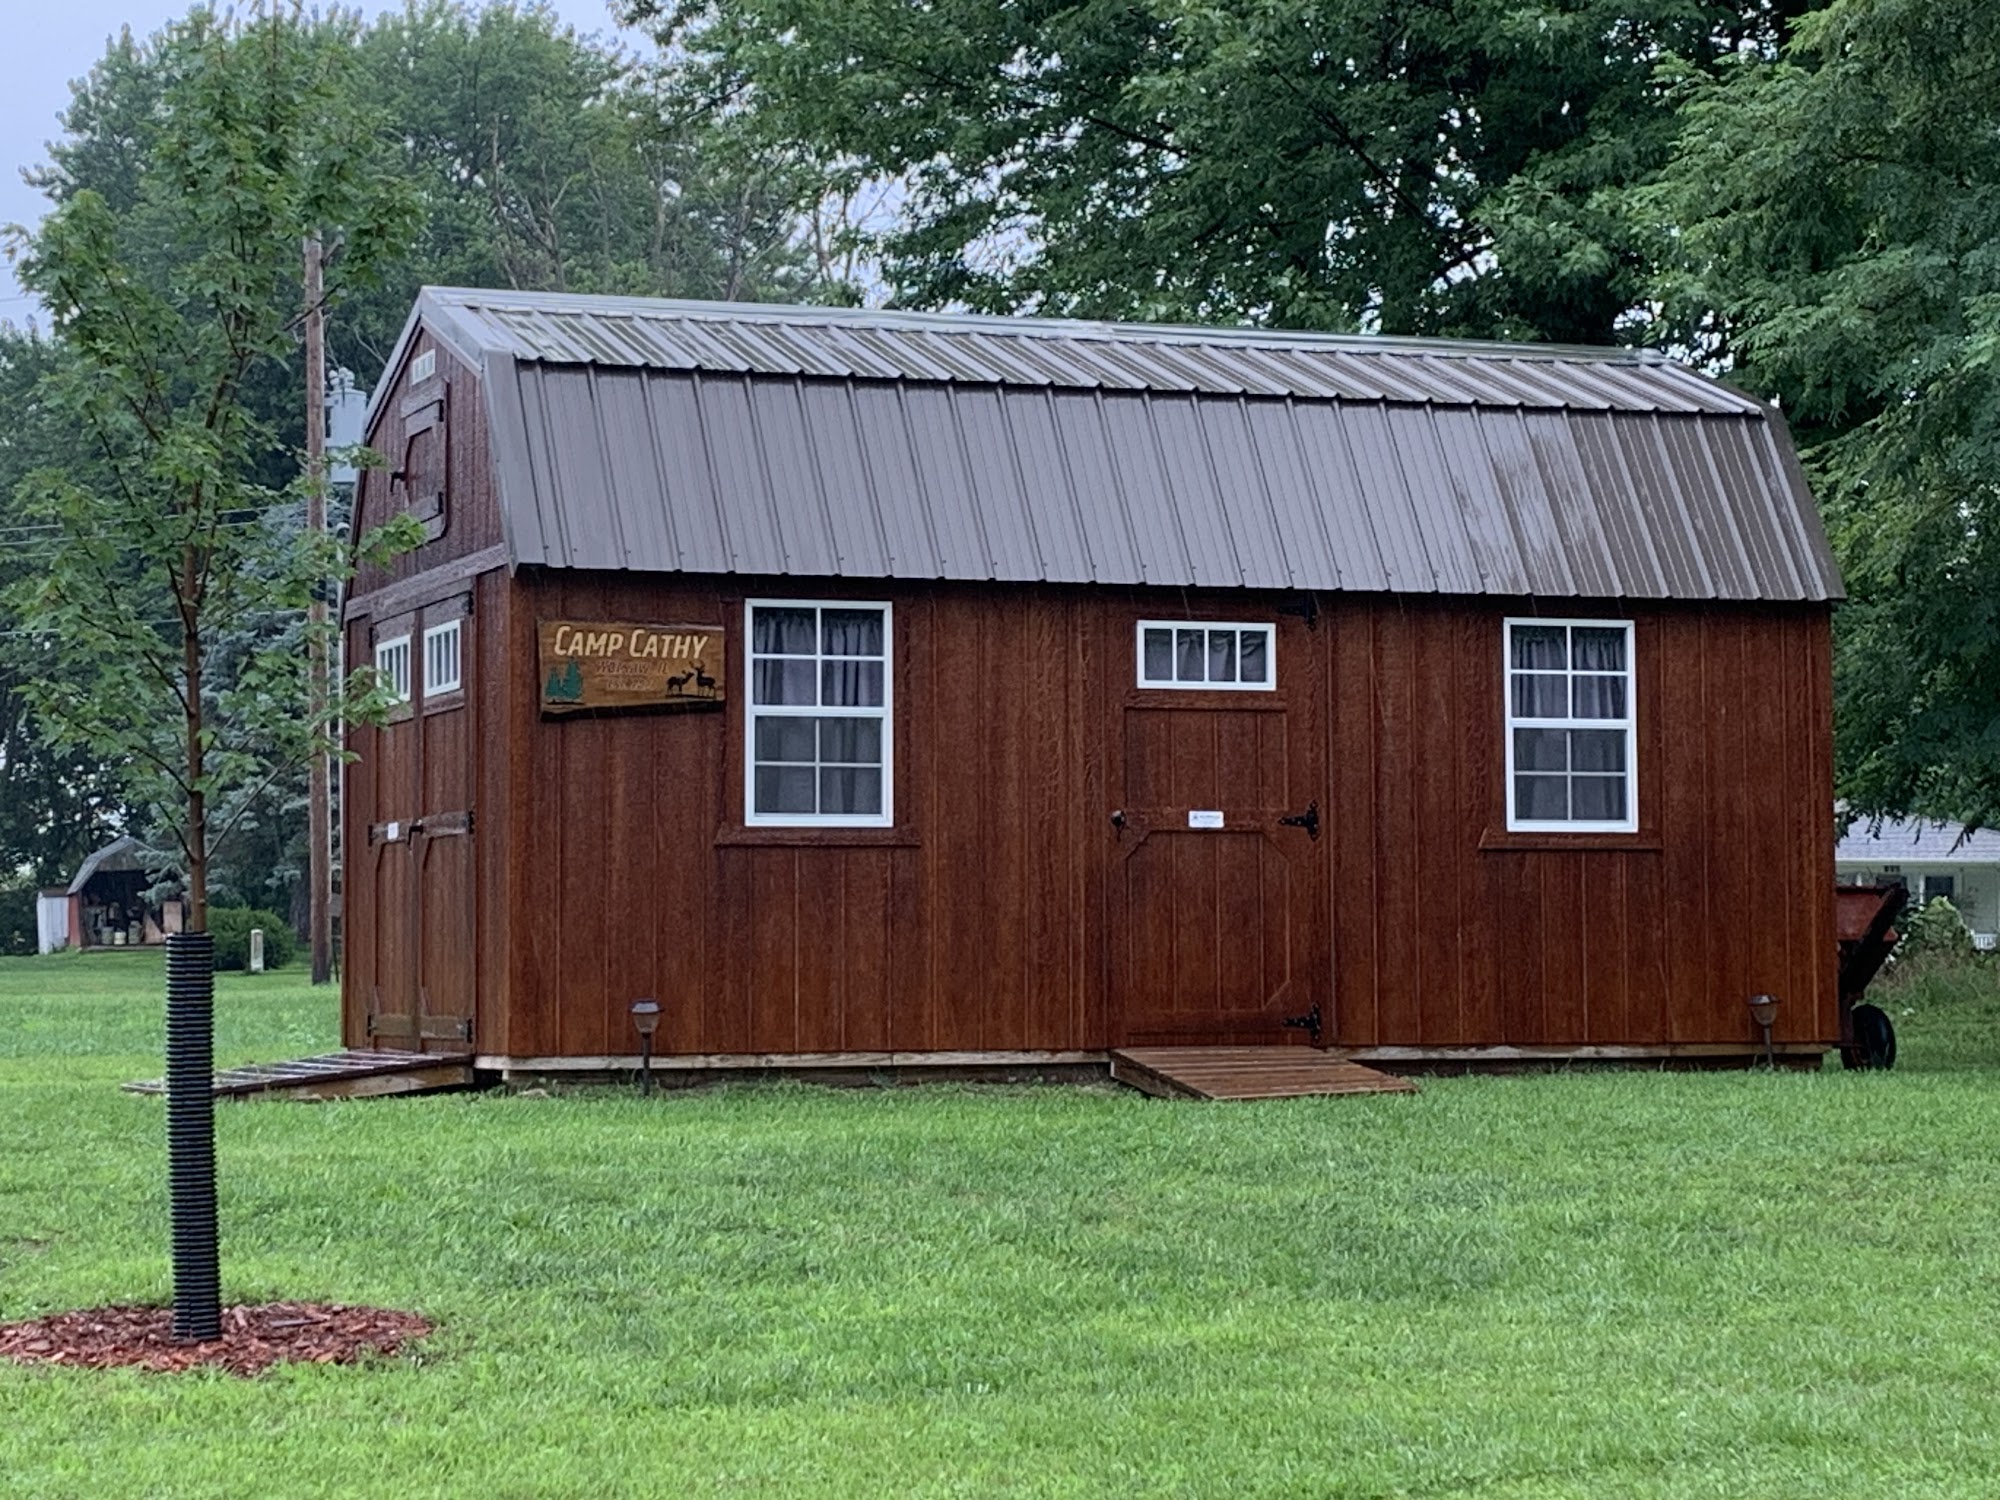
pixel 1309 1023
pixel 1308 820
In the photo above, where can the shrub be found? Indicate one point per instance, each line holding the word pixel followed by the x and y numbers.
pixel 18 932
pixel 1934 933
pixel 230 927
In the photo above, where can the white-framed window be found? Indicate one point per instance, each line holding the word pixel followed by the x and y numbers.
pixel 442 672
pixel 1572 746
pixel 1217 655
pixel 392 661
pixel 818 736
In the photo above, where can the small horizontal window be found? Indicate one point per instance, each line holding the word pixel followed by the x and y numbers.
pixel 1207 654
pixel 441 659
pixel 392 664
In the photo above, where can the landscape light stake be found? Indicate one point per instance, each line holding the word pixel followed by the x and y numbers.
pixel 646 1018
pixel 191 1135
pixel 1764 1010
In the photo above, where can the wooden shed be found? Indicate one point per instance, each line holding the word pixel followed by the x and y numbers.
pixel 879 688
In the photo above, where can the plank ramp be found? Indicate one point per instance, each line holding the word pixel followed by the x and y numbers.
pixel 346 1074
pixel 1248 1073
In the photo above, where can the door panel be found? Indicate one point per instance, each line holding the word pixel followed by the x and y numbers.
pixel 392 1009
pixel 1216 931
pixel 443 856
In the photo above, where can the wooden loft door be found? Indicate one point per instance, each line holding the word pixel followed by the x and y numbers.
pixel 1219 862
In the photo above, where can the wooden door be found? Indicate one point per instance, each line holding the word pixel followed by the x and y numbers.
pixel 1218 872
pixel 392 1000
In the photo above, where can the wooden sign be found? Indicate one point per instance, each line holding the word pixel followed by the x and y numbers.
pixel 599 664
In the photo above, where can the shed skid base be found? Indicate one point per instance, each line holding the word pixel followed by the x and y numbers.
pixel 681 1070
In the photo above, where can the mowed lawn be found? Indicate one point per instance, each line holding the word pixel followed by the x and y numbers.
pixel 1556 1285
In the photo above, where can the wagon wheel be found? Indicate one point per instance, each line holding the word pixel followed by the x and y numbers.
pixel 1874 1040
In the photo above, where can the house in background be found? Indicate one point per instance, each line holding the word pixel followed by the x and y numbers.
pixel 877 688
pixel 107 905
pixel 1931 859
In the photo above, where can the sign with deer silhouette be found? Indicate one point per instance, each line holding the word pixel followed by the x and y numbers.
pixel 591 665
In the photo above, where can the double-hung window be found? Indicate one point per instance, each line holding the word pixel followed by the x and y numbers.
pixel 392 662
pixel 818 741
pixel 1571 734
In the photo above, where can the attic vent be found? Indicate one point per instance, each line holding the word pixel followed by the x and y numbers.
pixel 423 367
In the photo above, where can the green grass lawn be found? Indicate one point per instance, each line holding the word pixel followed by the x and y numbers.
pixel 1586 1284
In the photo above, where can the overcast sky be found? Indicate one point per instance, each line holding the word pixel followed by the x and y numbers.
pixel 56 41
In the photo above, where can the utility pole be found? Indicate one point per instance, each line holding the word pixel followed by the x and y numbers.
pixel 319 817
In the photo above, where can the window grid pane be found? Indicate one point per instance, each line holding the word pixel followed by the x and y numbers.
pixel 1570 726
pixel 441 659
pixel 1225 656
pixel 808 766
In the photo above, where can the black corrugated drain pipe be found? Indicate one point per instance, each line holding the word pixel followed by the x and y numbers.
pixel 191 1135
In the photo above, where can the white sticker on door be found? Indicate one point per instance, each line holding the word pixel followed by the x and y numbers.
pixel 1204 818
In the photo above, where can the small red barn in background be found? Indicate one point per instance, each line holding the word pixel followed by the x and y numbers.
pixel 877 687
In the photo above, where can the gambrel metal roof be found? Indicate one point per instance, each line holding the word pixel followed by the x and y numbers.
pixel 654 435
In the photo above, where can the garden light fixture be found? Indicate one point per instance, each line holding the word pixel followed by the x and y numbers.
pixel 645 1020
pixel 1764 1010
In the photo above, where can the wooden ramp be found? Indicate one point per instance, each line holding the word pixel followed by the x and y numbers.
pixel 338 1075
pixel 1248 1073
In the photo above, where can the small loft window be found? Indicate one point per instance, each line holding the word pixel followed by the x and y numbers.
pixel 441 658
pixel 392 662
pixel 1571 728
pixel 423 367
pixel 1207 654
pixel 818 735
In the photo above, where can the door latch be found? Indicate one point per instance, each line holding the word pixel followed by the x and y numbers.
pixel 1308 820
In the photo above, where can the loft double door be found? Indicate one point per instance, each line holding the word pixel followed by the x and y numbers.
pixel 1219 859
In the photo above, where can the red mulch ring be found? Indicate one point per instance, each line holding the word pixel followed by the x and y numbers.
pixel 253 1338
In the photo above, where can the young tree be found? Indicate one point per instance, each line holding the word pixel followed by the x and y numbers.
pixel 174 595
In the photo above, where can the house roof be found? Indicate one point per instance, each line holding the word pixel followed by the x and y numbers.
pixel 1911 841
pixel 731 438
pixel 121 854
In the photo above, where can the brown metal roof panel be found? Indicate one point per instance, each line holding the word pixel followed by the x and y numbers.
pixel 687 480
pixel 582 485
pixel 1046 486
pixel 1147 490
pixel 902 506
pixel 1247 508
pixel 1511 535
pixel 1761 519
pixel 1013 550
pixel 1719 533
pixel 798 505
pixel 1298 509
pixel 1358 558
pixel 514 458
pixel 1652 554
pixel 1191 490
pixel 1103 516
pixel 1380 496
pixel 1785 478
pixel 1609 556
pixel 1467 531
pixel 743 497
pixel 645 524
pixel 940 460
pixel 1632 461
pixel 845 472
pixel 1402 470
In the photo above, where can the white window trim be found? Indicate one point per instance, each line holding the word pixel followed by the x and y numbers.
pixel 752 711
pixel 387 647
pixel 457 683
pixel 1510 722
pixel 1154 684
